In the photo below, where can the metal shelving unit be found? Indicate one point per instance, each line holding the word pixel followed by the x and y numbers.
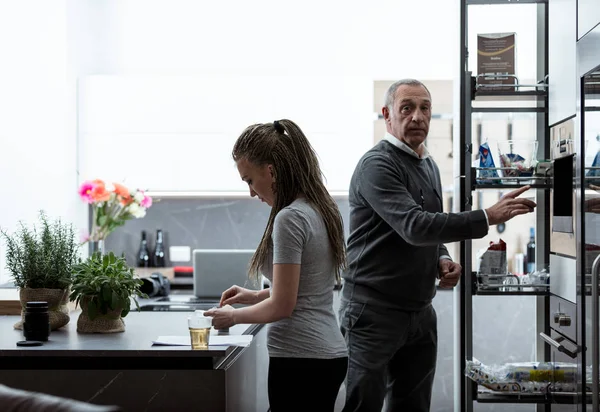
pixel 524 98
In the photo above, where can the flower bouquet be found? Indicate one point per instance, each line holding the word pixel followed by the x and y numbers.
pixel 112 205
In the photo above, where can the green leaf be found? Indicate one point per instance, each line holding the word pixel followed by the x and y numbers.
pixel 106 293
pixel 102 220
pixel 114 300
pixel 92 309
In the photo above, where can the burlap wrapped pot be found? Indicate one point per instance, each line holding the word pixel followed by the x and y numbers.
pixel 57 299
pixel 109 323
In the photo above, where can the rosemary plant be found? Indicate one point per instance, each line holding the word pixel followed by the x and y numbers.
pixel 42 257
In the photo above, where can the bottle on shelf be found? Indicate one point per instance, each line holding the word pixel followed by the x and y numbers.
pixel 159 250
pixel 518 262
pixel 143 259
pixel 531 251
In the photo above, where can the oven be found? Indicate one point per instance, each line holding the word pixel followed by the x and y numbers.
pixel 564 352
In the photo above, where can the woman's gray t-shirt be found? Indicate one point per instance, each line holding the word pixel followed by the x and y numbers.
pixel 300 237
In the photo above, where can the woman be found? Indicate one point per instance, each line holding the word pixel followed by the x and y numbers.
pixel 302 252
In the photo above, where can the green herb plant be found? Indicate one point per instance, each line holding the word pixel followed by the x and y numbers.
pixel 42 257
pixel 107 283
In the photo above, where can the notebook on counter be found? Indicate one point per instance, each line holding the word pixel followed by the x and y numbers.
pixel 215 340
pixel 216 270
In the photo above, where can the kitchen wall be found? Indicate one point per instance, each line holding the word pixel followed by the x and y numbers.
pixel 38 127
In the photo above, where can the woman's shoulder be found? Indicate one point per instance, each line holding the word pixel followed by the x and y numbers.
pixel 300 211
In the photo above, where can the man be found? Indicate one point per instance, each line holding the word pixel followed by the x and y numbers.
pixel 396 252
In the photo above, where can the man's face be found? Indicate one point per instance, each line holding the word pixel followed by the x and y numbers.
pixel 408 120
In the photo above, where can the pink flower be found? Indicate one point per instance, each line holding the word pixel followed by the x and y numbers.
pixel 146 202
pixel 84 236
pixel 85 191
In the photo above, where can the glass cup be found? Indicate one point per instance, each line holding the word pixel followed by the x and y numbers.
pixel 199 326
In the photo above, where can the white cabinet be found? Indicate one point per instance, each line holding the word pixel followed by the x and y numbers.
pixel 175 133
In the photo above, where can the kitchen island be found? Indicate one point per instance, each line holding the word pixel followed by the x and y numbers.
pixel 125 369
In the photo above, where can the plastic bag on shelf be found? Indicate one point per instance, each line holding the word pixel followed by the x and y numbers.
pixel 487 171
pixel 536 278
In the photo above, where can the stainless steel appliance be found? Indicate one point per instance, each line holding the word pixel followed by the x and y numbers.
pixel 575 234
pixel 588 61
pixel 574 308
pixel 563 233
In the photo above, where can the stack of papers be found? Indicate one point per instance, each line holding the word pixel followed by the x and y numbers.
pixel 215 340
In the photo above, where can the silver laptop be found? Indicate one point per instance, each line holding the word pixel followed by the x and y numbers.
pixel 216 270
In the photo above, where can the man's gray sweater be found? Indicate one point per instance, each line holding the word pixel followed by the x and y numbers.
pixel 397 229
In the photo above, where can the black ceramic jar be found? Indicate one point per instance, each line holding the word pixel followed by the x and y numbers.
pixel 36 325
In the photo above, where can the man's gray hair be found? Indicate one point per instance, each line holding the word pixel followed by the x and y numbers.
pixel 391 91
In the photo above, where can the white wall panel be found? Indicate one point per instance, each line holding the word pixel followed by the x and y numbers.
pixel 588 16
pixel 562 60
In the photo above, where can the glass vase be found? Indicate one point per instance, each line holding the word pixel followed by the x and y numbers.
pixel 97 246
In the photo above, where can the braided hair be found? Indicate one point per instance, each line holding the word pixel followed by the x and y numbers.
pixel 296 172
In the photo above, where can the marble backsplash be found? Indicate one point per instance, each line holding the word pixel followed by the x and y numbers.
pixel 200 223
pixel 503 327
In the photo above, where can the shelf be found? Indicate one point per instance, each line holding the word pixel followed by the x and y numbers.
pixel 509 186
pixel 509 101
pixel 550 398
pixel 503 93
pixel 510 290
pixel 506 95
pixel 490 292
pixel 508 110
pixel 510 182
pixel 592 95
pixel 507 289
pixel 506 1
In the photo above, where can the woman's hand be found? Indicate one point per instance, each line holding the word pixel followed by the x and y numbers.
pixel 222 317
pixel 237 294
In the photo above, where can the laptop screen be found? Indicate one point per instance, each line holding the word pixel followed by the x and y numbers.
pixel 216 270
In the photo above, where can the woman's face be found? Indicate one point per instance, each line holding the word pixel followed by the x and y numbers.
pixel 259 179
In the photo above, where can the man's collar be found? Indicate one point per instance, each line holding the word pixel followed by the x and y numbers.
pixel 404 147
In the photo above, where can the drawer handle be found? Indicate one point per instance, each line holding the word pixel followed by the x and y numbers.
pixel 560 346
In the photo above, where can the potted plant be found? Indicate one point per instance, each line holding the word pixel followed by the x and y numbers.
pixel 103 286
pixel 40 261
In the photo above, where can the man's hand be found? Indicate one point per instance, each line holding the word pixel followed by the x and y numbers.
pixel 509 206
pixel 449 273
